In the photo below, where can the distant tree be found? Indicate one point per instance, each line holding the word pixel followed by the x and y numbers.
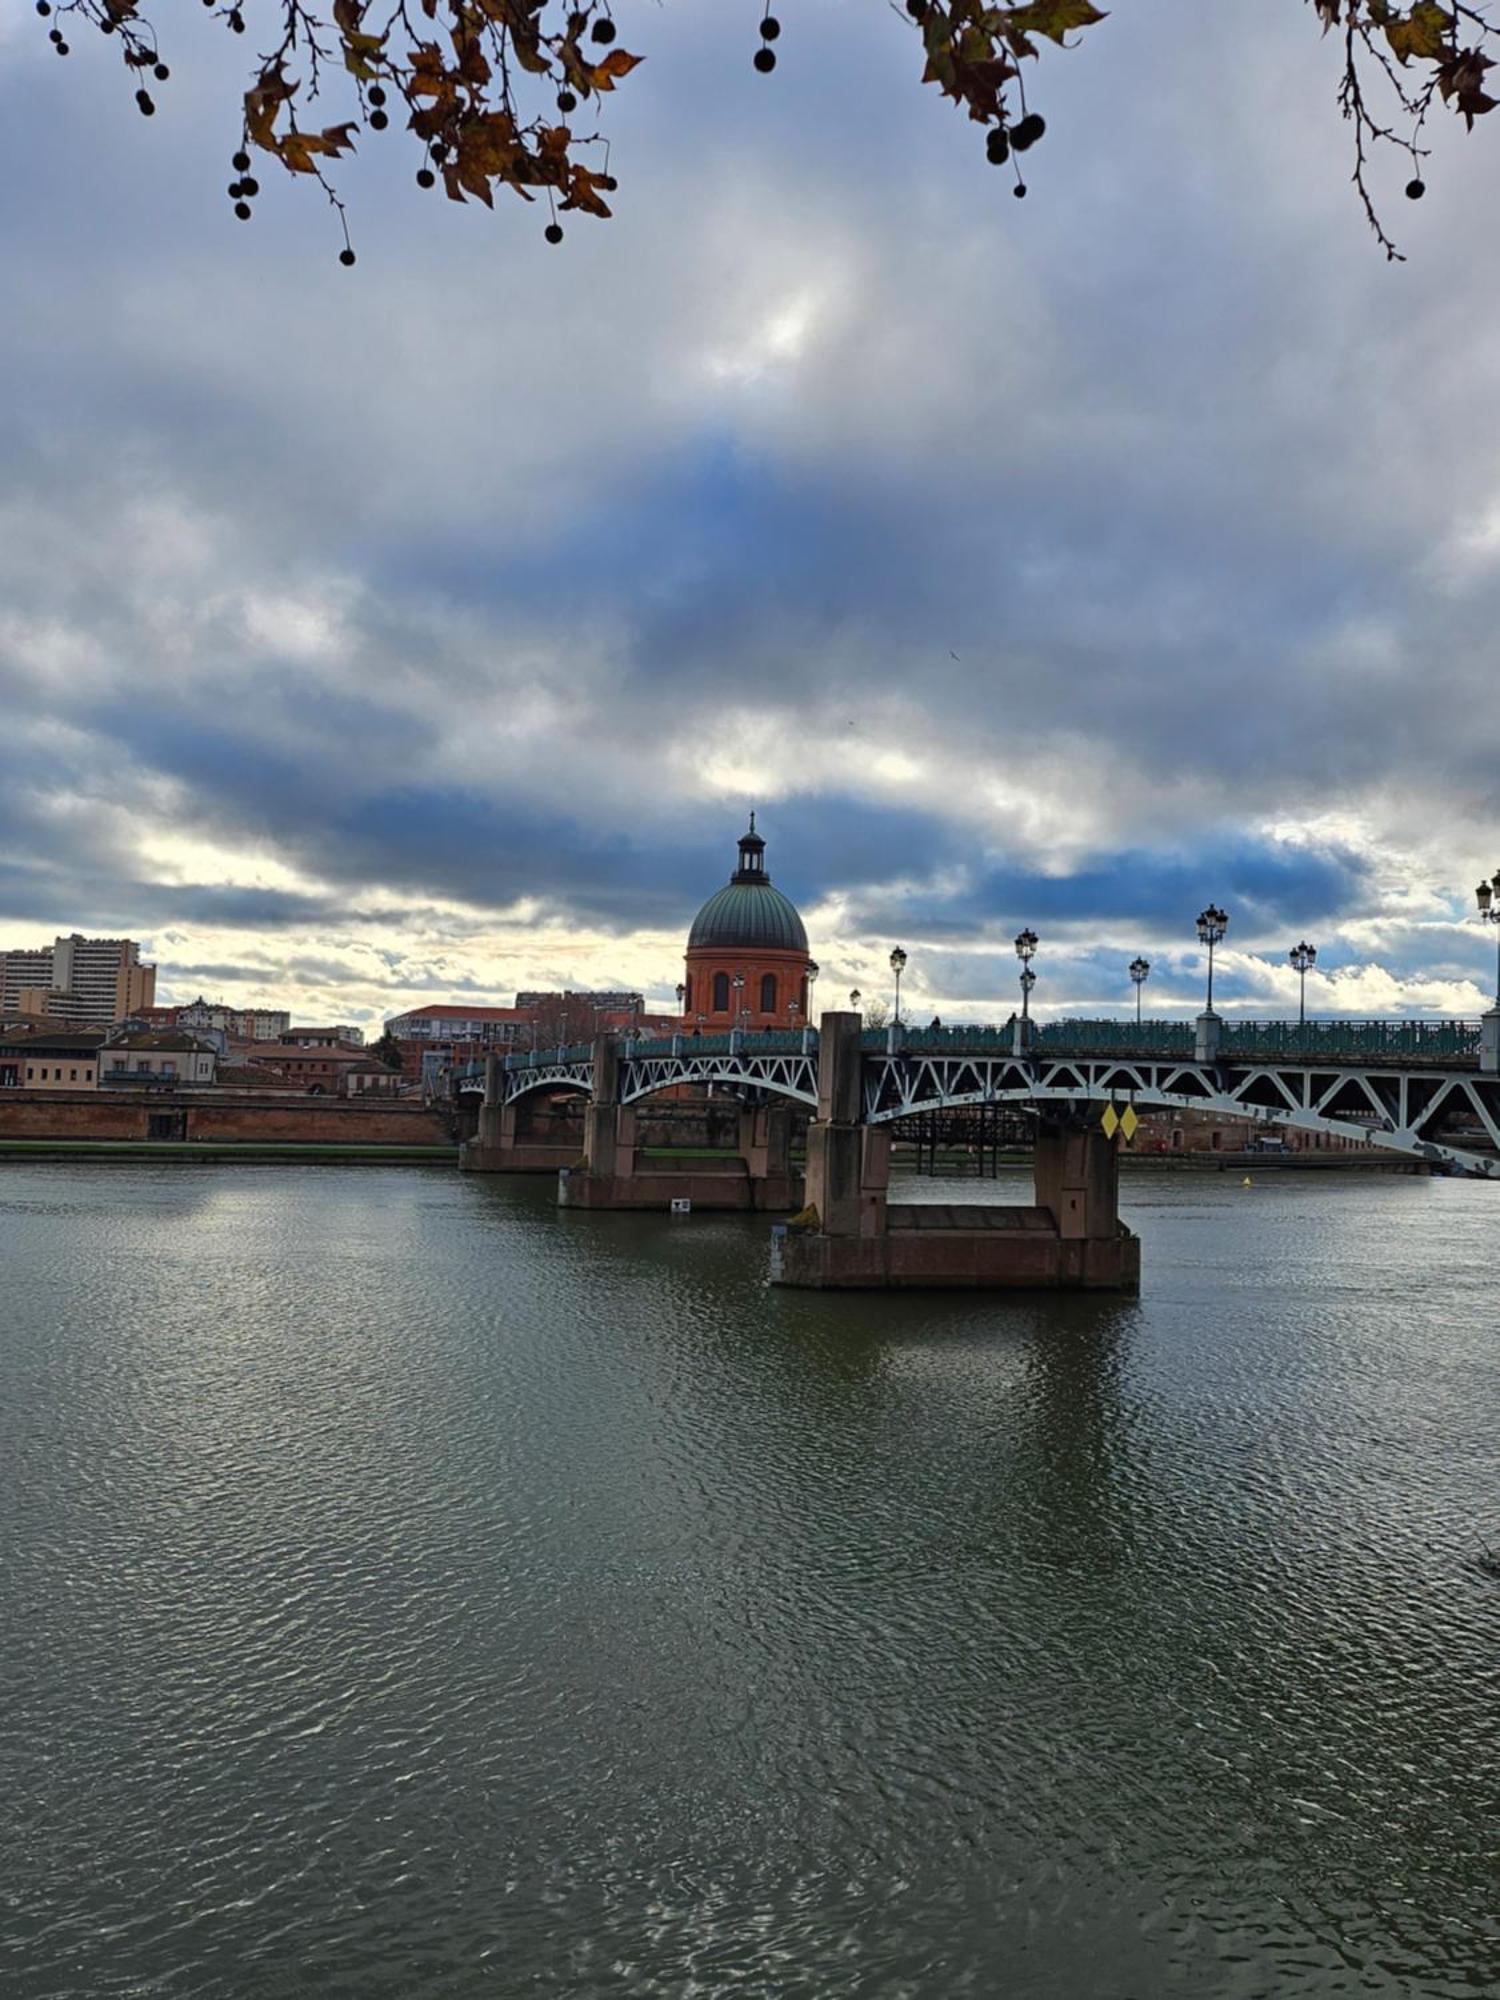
pixel 500 93
pixel 387 1050
pixel 876 1013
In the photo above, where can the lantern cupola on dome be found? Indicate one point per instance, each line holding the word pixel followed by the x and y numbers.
pixel 749 914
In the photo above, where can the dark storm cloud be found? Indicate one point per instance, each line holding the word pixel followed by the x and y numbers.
pixel 240 908
pixel 1266 890
pixel 620 878
pixel 101 901
pixel 212 975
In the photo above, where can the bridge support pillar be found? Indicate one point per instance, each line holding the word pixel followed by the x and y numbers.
pixel 856 1238
pixel 1076 1175
pixel 1489 1040
pixel 1206 1037
pixel 766 1149
pixel 612 1174
pixel 1076 1178
pixel 498 1147
pixel 848 1162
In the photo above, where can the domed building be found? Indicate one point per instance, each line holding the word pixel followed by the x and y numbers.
pixel 747 962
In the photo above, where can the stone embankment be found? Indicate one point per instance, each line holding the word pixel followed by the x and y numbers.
pixel 223 1120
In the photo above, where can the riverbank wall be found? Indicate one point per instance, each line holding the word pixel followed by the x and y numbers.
pixel 220 1119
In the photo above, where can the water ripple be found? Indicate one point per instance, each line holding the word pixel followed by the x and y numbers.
pixel 412 1591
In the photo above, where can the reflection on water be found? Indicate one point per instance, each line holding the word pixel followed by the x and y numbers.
pixel 412 1591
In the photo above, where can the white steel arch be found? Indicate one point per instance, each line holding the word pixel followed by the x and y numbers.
pixel 1394 1109
pixel 1399 1110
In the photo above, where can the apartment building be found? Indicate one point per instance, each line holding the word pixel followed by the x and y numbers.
pixel 84 982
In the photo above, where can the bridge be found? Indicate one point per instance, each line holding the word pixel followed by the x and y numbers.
pixel 1426 1091
pixel 1391 1084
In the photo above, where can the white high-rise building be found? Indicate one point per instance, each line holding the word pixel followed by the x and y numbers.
pixel 88 982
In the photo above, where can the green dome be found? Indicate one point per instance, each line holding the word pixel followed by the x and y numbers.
pixel 748 914
pixel 754 919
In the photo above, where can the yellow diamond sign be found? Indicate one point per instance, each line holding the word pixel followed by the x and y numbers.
pixel 1128 1122
pixel 1110 1121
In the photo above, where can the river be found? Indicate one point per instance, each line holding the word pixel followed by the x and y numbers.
pixel 411 1591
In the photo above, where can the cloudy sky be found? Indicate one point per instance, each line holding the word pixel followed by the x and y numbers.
pixel 426 629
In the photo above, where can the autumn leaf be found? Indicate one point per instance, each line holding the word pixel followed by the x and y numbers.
pixel 1461 81
pixel 1054 18
pixel 263 102
pixel 1423 33
pixel 584 191
pixel 604 76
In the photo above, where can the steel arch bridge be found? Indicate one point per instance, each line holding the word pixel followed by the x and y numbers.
pixel 1392 1086
pixel 1395 1110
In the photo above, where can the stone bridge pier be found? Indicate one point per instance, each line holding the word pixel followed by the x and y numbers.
pixel 613 1174
pixel 1070 1238
pixel 500 1146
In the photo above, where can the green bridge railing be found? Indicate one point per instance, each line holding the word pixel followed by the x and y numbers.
pixel 1318 1041
pixel 1239 1041
pixel 1420 1041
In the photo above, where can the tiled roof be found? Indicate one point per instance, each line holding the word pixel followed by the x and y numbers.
pixel 460 1010
pixel 162 1040
pixel 289 1052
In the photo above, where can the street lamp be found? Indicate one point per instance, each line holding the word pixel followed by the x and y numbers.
pixel 1139 971
pixel 738 983
pixel 681 995
pixel 1302 957
pixel 812 980
pixel 1026 944
pixel 1487 895
pixel 855 996
pixel 1212 924
pixel 898 966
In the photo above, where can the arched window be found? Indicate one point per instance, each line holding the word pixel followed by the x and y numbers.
pixel 768 993
pixel 802 1002
pixel 721 992
pixel 687 994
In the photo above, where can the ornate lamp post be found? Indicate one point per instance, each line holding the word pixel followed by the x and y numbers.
pixel 1487 895
pixel 1026 944
pixel 1212 924
pixel 1302 957
pixel 855 996
pixel 812 980
pixel 681 995
pixel 738 983
pixel 898 966
pixel 1140 969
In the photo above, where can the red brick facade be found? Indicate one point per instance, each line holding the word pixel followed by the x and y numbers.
pixel 221 1117
pixel 710 980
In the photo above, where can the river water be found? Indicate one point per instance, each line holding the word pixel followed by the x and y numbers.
pixel 411 1591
